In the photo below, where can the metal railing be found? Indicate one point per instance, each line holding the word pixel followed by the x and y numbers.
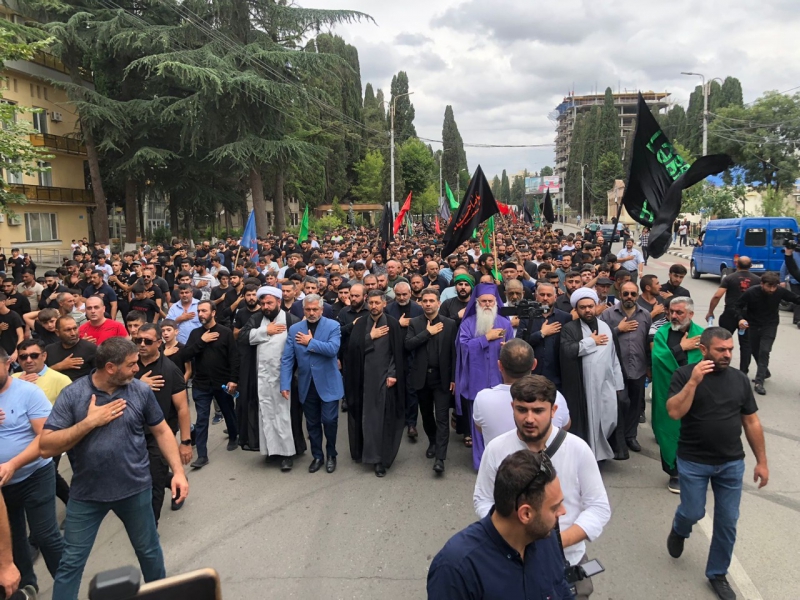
pixel 40 193
pixel 48 60
pixel 59 143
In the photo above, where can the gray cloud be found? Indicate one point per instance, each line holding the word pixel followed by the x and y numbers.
pixel 411 39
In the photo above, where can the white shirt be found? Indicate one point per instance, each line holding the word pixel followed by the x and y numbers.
pixel 493 413
pixel 585 498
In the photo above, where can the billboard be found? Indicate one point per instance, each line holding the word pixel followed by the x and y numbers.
pixel 539 185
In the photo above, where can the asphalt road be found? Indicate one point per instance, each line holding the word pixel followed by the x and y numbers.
pixel 274 535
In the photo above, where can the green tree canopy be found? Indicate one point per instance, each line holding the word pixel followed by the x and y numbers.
pixel 369 176
pixel 404 109
pixel 454 158
pixel 418 166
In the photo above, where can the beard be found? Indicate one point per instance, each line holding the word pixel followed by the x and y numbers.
pixel 680 325
pixel 271 314
pixel 403 302
pixel 485 318
pixel 356 306
pixel 251 306
pixel 463 294
pixel 313 319
pixel 628 304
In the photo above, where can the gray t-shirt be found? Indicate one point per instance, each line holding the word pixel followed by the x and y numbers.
pixel 111 463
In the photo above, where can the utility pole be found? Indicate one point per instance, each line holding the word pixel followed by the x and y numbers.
pixel 395 204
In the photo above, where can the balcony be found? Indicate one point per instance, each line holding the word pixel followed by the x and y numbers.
pixel 43 194
pixel 48 60
pixel 58 143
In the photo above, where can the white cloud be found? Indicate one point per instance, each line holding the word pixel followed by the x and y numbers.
pixel 504 65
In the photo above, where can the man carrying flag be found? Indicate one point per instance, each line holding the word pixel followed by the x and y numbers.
pixel 303 233
pixel 478 205
pixel 249 238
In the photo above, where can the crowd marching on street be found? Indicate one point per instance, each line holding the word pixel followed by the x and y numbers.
pixel 538 354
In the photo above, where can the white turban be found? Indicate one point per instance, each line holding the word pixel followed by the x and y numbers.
pixel 268 290
pixel 581 294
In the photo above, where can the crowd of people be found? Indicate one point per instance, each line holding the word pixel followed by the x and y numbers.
pixel 547 334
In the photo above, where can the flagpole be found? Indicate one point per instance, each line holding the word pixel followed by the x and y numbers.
pixel 494 252
pixel 239 249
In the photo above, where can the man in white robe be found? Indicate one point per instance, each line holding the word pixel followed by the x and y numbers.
pixel 591 374
pixel 268 332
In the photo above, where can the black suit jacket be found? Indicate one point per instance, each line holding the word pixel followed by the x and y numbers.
pixel 418 341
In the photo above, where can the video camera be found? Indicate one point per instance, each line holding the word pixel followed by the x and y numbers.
pixel 124 584
pixel 527 309
pixel 791 242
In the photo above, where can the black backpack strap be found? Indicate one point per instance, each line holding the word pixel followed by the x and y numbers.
pixel 557 441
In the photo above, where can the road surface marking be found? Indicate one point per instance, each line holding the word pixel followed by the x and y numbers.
pixel 740 577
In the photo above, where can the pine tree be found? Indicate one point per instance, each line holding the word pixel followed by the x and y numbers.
pixel 505 189
pixel 495 187
pixel 376 134
pixel 454 158
pixel 608 136
pixel 731 93
pixel 404 110
pixel 694 122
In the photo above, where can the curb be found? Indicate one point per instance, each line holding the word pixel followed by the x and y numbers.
pixel 679 254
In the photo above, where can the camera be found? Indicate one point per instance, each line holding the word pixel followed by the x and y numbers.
pixel 790 242
pixel 526 309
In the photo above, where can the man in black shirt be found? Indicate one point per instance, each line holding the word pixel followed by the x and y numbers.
pixel 245 310
pixel 51 288
pixel 12 330
pixel 713 404
pixel 732 287
pixel 674 288
pixel 404 310
pixel 14 300
pixel 71 356
pixel 166 382
pixel 216 376
pixel 757 310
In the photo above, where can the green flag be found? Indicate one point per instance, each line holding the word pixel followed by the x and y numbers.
pixel 409 226
pixel 450 198
pixel 303 233
pixel 486 238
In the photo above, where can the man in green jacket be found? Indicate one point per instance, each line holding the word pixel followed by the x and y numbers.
pixel 675 344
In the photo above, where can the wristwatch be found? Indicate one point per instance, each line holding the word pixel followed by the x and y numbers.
pixel 186 442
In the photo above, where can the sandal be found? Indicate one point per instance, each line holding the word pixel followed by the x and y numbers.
pixel 468 441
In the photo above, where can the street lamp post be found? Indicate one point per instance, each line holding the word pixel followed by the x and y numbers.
pixel 395 205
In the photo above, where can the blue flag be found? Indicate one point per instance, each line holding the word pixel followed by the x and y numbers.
pixel 249 238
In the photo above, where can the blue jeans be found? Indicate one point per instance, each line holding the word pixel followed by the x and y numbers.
pixel 34 497
pixel 202 402
pixel 83 522
pixel 321 415
pixel 726 482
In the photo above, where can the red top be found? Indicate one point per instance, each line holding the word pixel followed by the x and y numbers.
pixel 107 330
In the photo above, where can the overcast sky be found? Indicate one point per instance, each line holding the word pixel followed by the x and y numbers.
pixel 504 65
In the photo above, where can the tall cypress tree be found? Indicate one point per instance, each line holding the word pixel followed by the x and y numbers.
pixel 454 158
pixel 505 188
pixel 404 109
pixel 608 136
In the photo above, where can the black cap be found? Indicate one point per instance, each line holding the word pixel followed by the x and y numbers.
pixel 604 281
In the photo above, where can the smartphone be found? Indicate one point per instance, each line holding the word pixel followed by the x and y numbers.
pixel 117 584
pixel 592 568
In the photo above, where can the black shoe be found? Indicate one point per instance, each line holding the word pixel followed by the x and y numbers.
pixel 286 465
pixel 380 470
pixel 315 465
pixel 768 375
pixel 200 462
pixel 233 444
pixel 722 588
pixel 642 419
pixel 344 405
pixel 759 389
pixel 431 451
pixel 438 465
pixel 674 485
pixel 412 433
pixel 622 454
pixel 330 466
pixel 675 544
pixel 634 445
pixel 177 505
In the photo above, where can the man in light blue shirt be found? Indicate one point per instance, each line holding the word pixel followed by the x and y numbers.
pixel 28 481
pixel 631 259
pixel 184 312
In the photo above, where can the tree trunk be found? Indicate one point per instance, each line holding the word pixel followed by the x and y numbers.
pixel 259 203
pixel 100 213
pixel 174 225
pixel 228 222
pixel 140 205
pixel 278 207
pixel 130 211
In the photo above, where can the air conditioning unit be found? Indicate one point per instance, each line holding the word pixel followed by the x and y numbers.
pixel 56 117
pixel 15 220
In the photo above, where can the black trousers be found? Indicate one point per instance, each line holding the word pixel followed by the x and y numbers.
pixel 796 310
pixel 160 474
pixel 728 321
pixel 761 340
pixel 434 406
pixel 634 390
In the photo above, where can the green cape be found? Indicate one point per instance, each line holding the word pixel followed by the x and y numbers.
pixel 667 429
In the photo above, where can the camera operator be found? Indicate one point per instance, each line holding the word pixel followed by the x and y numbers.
pixel 585 498
pixel 791 270
pixel 513 551
pixel 543 333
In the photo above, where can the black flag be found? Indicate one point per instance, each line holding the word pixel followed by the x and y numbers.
pixel 547 210
pixel 658 175
pixel 527 217
pixel 478 205
pixel 387 228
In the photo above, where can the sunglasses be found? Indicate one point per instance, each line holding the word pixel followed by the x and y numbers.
pixel 32 356
pixel 545 470
pixel 139 340
pixel 629 294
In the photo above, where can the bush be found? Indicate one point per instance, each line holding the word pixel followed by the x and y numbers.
pixel 326 223
pixel 161 235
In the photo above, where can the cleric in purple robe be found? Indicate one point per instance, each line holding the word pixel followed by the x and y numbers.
pixel 481 335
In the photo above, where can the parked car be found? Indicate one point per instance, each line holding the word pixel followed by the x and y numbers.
pixel 723 241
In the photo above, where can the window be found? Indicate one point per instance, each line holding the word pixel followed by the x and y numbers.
pixel 11 175
pixel 15 84
pixel 41 227
pixel 781 235
pixel 45 93
pixel 32 93
pixel 46 177
pixel 40 120
pixel 7 124
pixel 755 237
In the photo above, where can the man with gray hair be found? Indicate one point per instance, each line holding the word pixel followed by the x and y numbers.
pixel 675 345
pixel 312 347
pixel 101 420
pixel 403 309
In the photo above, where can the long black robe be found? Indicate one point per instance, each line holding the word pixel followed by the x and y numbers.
pixel 572 381
pixel 376 414
pixel 247 419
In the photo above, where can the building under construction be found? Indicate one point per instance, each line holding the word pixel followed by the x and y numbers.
pixel 572 106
